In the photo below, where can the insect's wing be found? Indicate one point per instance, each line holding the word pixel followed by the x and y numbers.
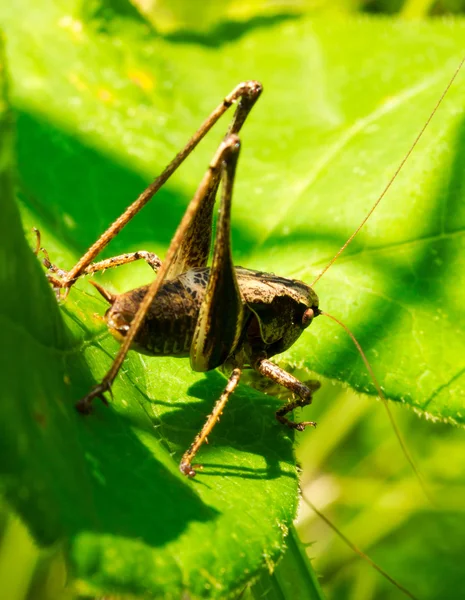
pixel 220 319
pixel 194 248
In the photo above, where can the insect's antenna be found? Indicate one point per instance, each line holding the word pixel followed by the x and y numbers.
pixel 385 402
pixel 357 550
pixel 393 178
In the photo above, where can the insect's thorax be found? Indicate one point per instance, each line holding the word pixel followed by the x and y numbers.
pixel 273 309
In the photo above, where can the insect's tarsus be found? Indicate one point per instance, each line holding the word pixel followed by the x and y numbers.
pixel 304 392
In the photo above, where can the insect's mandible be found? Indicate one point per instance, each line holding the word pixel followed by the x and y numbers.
pixel 220 316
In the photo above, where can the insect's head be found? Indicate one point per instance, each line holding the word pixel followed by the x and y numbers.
pixel 282 308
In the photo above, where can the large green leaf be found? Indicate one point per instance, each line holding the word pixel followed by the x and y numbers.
pixel 102 104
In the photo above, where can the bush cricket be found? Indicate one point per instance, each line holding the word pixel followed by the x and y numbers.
pixel 220 316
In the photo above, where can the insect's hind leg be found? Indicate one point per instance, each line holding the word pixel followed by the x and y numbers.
pixel 304 392
pixel 186 466
pixel 245 94
pixel 225 149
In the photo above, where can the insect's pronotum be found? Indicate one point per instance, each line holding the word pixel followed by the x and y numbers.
pixel 220 315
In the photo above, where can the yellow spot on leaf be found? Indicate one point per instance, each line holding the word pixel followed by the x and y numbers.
pixel 105 95
pixel 78 83
pixel 74 26
pixel 69 221
pixel 143 80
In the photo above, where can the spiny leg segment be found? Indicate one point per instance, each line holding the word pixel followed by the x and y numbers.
pixel 186 466
pixel 305 393
pixel 122 259
pixel 56 275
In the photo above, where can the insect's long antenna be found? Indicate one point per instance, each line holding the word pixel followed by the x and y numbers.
pixel 393 178
pixel 357 550
pixel 385 402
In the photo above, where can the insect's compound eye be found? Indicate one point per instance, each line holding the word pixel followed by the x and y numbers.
pixel 119 321
pixel 307 317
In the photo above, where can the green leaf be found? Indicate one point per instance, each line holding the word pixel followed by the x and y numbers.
pixel 293 577
pixel 102 104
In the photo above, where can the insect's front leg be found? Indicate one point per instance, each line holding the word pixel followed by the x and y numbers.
pixel 303 392
pixel 55 275
pixel 58 277
pixel 122 259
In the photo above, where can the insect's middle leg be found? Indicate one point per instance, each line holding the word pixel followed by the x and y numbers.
pixel 304 392
pixel 186 466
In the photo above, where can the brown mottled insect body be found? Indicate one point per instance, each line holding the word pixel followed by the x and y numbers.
pixel 169 324
pixel 274 314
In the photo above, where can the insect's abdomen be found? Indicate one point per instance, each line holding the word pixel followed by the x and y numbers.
pixel 169 324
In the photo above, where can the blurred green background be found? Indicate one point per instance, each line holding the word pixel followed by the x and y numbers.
pixel 353 468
